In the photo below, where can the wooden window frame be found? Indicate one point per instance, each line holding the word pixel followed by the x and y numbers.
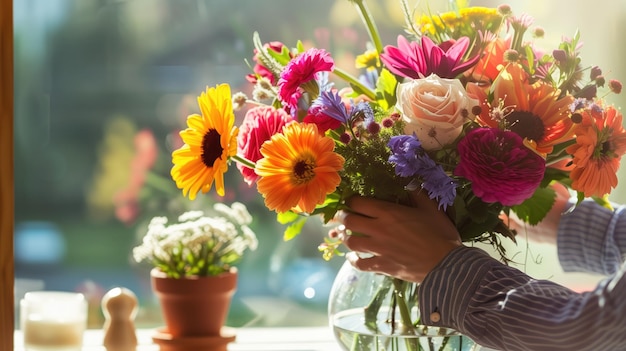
pixel 7 275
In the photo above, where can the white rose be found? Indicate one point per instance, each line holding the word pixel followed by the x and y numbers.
pixel 432 109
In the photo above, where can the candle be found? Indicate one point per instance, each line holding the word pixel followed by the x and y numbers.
pixel 53 321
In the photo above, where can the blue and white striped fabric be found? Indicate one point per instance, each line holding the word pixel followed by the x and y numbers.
pixel 592 238
pixel 503 308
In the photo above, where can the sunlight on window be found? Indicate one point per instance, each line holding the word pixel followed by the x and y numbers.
pixel 102 89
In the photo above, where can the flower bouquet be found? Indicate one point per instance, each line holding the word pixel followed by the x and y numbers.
pixel 464 107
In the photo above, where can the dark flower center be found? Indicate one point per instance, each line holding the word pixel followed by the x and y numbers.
pixel 303 171
pixel 526 125
pixel 211 147
pixel 605 148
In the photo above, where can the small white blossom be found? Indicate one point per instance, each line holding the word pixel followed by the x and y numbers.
pixel 190 216
pixel 218 241
pixel 237 212
pixel 250 237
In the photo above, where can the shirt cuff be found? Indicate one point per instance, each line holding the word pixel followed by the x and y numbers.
pixel 447 290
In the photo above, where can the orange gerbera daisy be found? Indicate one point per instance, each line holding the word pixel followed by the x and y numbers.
pixel 489 65
pixel 298 169
pixel 533 111
pixel 600 143
pixel 210 140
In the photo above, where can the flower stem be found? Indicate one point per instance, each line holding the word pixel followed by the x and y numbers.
pixel 405 314
pixel 372 309
pixel 366 16
pixel 243 161
pixel 355 82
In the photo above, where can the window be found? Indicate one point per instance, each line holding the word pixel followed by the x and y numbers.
pixel 94 77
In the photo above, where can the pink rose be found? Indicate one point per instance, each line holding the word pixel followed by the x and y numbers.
pixel 434 108
pixel 501 168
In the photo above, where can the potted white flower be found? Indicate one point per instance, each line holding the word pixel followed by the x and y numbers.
pixel 194 274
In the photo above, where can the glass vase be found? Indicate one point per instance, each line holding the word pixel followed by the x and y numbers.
pixel 369 311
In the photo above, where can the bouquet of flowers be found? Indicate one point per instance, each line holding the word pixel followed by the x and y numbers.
pixel 463 107
pixel 198 244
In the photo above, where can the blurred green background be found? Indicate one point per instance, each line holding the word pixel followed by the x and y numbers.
pixel 91 75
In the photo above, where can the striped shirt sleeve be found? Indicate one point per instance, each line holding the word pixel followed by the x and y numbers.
pixel 503 308
pixel 592 238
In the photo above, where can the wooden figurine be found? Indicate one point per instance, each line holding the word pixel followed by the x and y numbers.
pixel 119 306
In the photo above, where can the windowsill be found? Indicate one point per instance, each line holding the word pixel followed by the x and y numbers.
pixel 247 339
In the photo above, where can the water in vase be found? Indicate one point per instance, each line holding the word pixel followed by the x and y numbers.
pixel 353 335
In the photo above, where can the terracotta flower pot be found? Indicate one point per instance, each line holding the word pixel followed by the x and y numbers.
pixel 194 306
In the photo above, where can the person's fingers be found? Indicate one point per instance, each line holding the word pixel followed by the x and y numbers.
pixel 562 197
pixel 561 190
pixel 421 200
pixel 368 264
pixel 365 206
pixel 361 243
pixel 371 207
pixel 339 216
pixel 358 223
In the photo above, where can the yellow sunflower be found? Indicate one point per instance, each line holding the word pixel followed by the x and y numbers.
pixel 298 169
pixel 210 140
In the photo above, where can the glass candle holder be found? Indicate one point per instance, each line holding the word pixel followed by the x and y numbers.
pixel 53 320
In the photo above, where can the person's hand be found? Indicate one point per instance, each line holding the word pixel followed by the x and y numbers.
pixel 401 241
pixel 546 230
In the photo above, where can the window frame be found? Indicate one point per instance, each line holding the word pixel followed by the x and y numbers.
pixel 7 313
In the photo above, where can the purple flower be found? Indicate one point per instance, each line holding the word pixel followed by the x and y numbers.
pixel 404 154
pixel 363 110
pixel 499 166
pixel 418 60
pixel 330 104
pixel 410 160
pixel 369 78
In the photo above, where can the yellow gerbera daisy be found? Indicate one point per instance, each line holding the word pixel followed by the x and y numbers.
pixel 368 60
pixel 298 169
pixel 210 140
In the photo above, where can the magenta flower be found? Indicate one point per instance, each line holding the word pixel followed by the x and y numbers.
pixel 501 168
pixel 418 60
pixel 323 121
pixel 259 124
pixel 303 68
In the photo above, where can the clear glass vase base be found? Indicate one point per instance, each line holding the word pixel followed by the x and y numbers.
pixel 354 335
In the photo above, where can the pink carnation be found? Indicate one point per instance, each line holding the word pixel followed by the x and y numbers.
pixel 259 124
pixel 501 168
pixel 301 69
